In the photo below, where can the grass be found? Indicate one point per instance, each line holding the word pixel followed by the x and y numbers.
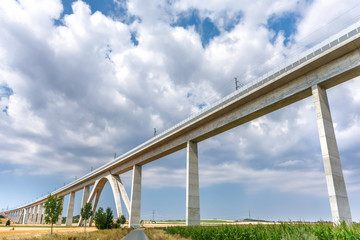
pixel 201 221
pixel 286 231
pixel 113 234
pixel 160 234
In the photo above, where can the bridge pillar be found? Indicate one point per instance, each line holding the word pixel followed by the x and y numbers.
pixel 135 204
pixel 39 219
pixel 70 211
pixel 31 209
pixel 61 214
pixel 192 186
pixel 25 215
pixel 85 197
pixel 339 203
pixel 34 217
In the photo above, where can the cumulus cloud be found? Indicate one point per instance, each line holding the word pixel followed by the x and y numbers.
pixel 83 90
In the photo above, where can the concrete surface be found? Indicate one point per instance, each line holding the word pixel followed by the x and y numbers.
pixel 192 185
pixel 137 234
pixel 339 204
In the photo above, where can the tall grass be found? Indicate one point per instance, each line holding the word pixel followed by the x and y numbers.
pixel 284 231
pixel 113 234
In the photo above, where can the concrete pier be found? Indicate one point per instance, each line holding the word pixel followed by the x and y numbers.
pixel 339 203
pixel 39 219
pixel 192 186
pixel 135 204
pixel 70 210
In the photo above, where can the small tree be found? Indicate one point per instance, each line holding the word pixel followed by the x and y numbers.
pixel 86 212
pixel 53 209
pixel 104 220
pixel 121 220
pixel 7 223
pixel 109 218
pixel 100 218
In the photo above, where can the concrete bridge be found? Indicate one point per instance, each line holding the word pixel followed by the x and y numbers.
pixel 326 65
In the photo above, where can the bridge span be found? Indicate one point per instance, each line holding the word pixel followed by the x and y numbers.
pixel 326 65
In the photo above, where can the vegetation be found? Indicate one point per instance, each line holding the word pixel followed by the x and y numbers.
pixel 7 223
pixel 104 220
pixel 160 234
pixel 287 231
pixel 2 216
pixel 86 212
pixel 114 234
pixel 53 209
pixel 121 220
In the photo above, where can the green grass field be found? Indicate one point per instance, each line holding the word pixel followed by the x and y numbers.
pixel 321 231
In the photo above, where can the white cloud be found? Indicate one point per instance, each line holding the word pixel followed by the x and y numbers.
pixel 311 182
pixel 83 91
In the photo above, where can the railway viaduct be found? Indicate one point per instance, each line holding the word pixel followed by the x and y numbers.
pixel 326 65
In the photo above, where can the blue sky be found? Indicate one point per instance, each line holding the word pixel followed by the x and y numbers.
pixel 81 80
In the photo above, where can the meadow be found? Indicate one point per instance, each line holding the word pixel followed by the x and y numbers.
pixel 320 231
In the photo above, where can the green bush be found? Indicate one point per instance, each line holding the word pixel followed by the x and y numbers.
pixel 104 220
pixel 7 223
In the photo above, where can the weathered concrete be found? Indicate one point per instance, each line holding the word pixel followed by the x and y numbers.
pixel 192 186
pixel 340 208
pixel 135 204
pixel 70 210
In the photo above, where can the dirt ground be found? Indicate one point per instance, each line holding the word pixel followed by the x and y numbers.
pixel 35 231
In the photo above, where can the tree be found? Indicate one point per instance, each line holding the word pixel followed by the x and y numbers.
pixel 109 218
pixel 121 220
pixel 104 220
pixel 53 208
pixel 7 223
pixel 86 212
pixel 100 219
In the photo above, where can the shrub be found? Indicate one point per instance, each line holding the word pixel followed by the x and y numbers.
pixel 121 220
pixel 7 223
pixel 100 218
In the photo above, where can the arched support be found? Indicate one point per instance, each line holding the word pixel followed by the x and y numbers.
pixel 118 190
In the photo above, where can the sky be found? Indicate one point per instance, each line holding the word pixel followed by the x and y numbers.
pixel 81 81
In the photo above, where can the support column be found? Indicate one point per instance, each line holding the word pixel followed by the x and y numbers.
pixel 85 196
pixel 61 214
pixel 135 204
pixel 192 186
pixel 70 211
pixel 39 214
pixel 34 217
pixel 29 221
pixel 339 203
pixel 25 215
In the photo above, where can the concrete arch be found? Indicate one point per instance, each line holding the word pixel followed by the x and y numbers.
pixel 118 190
